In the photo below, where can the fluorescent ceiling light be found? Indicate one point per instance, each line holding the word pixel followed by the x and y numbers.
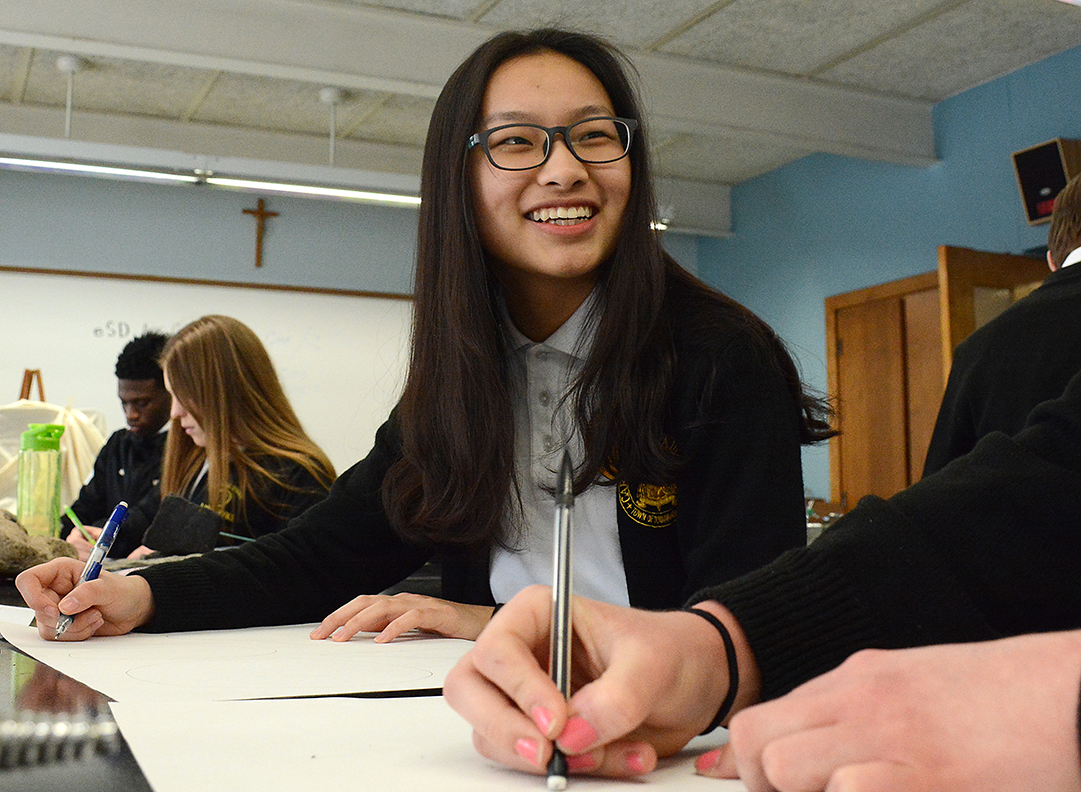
pixel 201 176
pixel 305 189
pixel 109 171
pixel 247 185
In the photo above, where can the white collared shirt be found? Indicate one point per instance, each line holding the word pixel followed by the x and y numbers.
pixel 195 482
pixel 1073 258
pixel 540 375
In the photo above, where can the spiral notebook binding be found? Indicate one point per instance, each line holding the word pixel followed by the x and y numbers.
pixel 35 738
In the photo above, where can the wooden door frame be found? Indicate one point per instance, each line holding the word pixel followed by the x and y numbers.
pixel 894 289
pixel 960 271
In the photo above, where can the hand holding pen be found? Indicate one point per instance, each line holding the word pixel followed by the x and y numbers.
pixel 635 698
pixel 638 699
pixel 97 556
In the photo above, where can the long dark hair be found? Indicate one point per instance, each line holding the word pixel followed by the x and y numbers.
pixel 455 477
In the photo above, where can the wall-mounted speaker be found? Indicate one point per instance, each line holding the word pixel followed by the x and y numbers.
pixel 1042 171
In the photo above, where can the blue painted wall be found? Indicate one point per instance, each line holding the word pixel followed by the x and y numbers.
pixel 96 225
pixel 825 224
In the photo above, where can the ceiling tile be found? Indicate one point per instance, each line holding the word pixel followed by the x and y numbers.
pixel 113 85
pixel 716 159
pixel 269 103
pixel 399 119
pixel 971 45
pixel 791 36
pixel 628 23
pixel 10 61
pixel 450 9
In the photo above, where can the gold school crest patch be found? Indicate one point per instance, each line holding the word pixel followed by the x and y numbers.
pixel 651 505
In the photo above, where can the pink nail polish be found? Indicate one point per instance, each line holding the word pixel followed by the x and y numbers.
pixel 577 735
pixel 543 718
pixel 528 750
pixel 635 763
pixel 579 762
pixel 708 760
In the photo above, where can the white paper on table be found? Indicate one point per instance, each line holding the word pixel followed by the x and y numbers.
pixel 392 745
pixel 258 662
pixel 14 614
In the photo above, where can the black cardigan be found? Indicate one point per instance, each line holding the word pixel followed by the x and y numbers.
pixel 738 504
pixel 1022 357
pixel 988 547
pixel 127 469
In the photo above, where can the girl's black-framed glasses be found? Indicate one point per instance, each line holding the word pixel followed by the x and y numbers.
pixel 517 147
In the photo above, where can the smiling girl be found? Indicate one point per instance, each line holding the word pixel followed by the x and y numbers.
pixel 546 315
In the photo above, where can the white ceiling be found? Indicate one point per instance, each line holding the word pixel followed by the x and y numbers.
pixel 733 88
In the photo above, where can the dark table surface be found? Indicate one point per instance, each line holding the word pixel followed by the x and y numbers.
pixel 74 745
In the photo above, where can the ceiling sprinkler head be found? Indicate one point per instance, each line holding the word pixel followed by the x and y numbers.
pixel 331 96
pixel 69 64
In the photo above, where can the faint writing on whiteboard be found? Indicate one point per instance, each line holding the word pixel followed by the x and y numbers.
pixel 114 329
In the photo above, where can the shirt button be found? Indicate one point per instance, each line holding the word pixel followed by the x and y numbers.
pixel 549 443
pixel 544 397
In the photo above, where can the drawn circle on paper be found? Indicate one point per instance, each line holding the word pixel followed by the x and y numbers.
pixel 275 674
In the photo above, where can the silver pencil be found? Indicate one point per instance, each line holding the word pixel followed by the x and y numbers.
pixel 559 657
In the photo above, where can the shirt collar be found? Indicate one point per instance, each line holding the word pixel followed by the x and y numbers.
pixel 1073 258
pixel 574 338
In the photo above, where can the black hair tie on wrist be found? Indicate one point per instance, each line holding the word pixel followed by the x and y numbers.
pixel 733 668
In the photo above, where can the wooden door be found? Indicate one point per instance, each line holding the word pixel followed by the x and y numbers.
pixel 885 375
pixel 871 375
pixel 964 275
pixel 924 380
pixel 890 348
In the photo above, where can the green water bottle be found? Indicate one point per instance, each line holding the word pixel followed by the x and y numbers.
pixel 37 496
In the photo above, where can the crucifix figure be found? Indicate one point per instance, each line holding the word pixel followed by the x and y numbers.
pixel 261 215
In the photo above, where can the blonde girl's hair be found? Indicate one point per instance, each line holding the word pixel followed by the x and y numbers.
pixel 221 373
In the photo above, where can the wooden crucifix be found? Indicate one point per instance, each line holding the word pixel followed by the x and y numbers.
pixel 261 214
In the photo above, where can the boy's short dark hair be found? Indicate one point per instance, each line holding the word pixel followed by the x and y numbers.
pixel 139 360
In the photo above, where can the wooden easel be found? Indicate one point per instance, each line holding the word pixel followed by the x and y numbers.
pixel 28 381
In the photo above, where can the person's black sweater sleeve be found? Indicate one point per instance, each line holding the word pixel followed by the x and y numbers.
pixel 741 489
pixel 987 547
pixel 91 506
pixel 955 432
pixel 140 515
pixel 277 503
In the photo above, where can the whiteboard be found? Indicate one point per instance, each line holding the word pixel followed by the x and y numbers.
pixel 341 356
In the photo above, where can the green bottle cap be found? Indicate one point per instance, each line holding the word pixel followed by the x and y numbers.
pixel 41 437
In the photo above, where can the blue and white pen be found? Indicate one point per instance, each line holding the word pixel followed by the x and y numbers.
pixel 97 555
